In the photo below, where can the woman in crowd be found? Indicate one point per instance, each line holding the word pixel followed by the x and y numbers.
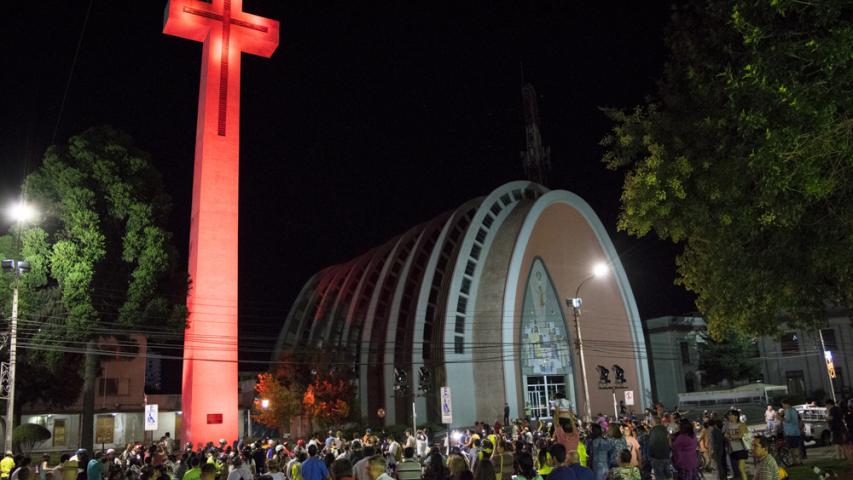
pixel 684 452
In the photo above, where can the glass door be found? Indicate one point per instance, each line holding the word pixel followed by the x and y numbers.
pixel 541 393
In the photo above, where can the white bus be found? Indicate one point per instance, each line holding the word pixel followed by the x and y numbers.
pixel 751 399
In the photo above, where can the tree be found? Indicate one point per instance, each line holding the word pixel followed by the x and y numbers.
pixel 326 400
pixel 732 359
pixel 284 402
pixel 744 157
pixel 27 436
pixel 52 383
pixel 322 378
pixel 103 246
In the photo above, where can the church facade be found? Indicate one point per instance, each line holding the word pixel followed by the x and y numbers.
pixel 476 298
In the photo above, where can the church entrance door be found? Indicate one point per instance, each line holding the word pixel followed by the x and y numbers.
pixel 541 393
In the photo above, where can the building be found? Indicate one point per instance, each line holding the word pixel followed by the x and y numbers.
pixel 673 345
pixel 477 296
pixel 120 400
pixel 794 359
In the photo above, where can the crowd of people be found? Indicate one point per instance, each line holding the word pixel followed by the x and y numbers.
pixel 656 445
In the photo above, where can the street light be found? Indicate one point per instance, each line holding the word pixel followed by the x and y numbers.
pixel 599 270
pixel 265 403
pixel 20 213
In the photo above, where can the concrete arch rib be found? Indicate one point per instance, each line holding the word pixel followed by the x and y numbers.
pixel 489 217
pixel 282 341
pixel 393 416
pixel 367 328
pixel 514 275
pixel 322 318
pixel 323 284
pixel 338 311
pixel 420 351
pixel 384 320
pixel 361 297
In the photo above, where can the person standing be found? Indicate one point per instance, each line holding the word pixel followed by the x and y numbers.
pixel 770 418
pixel 601 450
pixel 735 430
pixel 313 468
pixel 573 459
pixel 7 464
pixel 659 451
pixel 506 414
pixel 95 467
pixel 835 423
pixel 717 447
pixel 791 430
pixel 765 465
pixel 618 442
pixel 684 452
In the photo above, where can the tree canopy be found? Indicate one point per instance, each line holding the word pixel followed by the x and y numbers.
pixel 102 246
pixel 744 157
pixel 733 359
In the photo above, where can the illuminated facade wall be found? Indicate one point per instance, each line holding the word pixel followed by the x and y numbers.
pixel 462 293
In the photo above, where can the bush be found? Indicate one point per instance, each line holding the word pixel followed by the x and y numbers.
pixel 25 437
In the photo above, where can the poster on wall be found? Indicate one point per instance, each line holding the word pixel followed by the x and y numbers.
pixel 151 417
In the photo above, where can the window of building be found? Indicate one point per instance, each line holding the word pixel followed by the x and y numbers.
pixel 796 383
pixel 689 382
pixel 113 386
pixel 459 345
pixel 104 427
pixel 790 344
pixel 685 354
pixel 59 433
pixel 829 339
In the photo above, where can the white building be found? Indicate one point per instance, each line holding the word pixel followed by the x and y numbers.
pixel 794 359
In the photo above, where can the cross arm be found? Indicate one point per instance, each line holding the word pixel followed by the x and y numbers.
pixel 180 20
pixel 258 35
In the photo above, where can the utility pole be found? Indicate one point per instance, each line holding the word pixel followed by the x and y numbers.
pixel 8 370
pixel 827 356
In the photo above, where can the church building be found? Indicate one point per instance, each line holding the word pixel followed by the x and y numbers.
pixel 476 300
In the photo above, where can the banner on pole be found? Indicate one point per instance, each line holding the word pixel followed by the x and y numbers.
pixel 151 417
pixel 446 406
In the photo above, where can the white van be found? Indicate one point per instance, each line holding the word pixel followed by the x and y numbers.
pixel 814 423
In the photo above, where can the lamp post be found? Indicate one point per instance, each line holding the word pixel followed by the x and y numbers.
pixel 19 213
pixel 575 303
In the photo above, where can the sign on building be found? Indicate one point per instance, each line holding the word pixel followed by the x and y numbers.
pixel 151 417
pixel 629 398
pixel 446 406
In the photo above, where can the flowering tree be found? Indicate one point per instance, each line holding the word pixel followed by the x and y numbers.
pixel 283 402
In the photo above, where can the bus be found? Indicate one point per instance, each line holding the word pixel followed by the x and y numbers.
pixel 751 400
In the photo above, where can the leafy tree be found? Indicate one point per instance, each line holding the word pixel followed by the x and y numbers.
pixel 284 402
pixel 326 400
pixel 744 157
pixel 103 246
pixel 27 436
pixel 322 379
pixel 732 359
pixel 51 383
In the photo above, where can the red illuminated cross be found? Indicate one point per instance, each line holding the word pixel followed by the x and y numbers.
pixel 211 22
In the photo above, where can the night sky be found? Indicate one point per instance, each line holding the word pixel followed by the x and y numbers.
pixel 369 118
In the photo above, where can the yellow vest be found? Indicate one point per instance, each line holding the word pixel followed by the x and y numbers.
pixel 6 466
pixel 582 453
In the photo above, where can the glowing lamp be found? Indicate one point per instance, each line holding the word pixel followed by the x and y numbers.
pixel 600 269
pixel 21 212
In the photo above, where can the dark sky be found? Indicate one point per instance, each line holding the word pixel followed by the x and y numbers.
pixel 369 119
